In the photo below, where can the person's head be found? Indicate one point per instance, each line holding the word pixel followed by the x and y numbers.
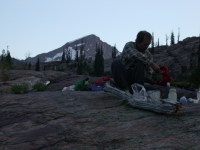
pixel 143 40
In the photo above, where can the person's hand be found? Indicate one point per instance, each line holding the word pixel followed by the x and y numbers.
pixel 155 67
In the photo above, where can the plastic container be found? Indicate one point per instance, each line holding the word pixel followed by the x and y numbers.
pixel 168 84
pixel 154 95
pixel 172 95
pixel 97 88
pixel 196 101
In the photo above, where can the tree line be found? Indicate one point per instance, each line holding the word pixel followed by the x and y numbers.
pixel 5 60
pixel 5 64
pixel 81 63
pixel 172 40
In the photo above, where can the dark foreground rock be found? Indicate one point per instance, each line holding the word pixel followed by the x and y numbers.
pixel 53 120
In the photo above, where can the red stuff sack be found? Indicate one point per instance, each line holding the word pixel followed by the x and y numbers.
pixel 101 81
pixel 166 76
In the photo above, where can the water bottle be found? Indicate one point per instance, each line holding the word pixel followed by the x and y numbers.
pixel 172 95
pixel 198 95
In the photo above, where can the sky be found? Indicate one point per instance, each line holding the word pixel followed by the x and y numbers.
pixel 32 27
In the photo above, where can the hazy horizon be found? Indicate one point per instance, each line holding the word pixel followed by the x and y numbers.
pixel 35 27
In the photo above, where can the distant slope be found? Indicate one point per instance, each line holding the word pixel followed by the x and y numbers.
pixel 181 58
pixel 89 46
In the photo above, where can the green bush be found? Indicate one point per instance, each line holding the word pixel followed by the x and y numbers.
pixel 40 87
pixel 19 89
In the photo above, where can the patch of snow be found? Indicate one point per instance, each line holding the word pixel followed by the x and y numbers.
pixel 73 52
pixel 119 53
pixel 70 50
pixel 54 58
pixel 80 44
pixel 48 59
pixel 57 55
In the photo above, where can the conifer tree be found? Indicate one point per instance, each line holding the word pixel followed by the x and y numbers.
pixel 4 67
pixel 8 59
pixel 172 38
pixel 199 52
pixel 76 56
pixel 178 35
pixel 114 52
pixel 3 55
pixel 99 62
pixel 68 55
pixel 152 44
pixel 63 60
pixel 1 58
pixel 37 66
pixel 158 43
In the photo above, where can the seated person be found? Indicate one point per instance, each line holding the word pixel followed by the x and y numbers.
pixel 136 64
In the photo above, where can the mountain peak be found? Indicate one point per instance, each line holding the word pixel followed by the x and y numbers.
pixel 89 41
pixel 84 37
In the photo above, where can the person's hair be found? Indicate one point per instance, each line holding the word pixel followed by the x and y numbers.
pixel 141 35
pixel 86 79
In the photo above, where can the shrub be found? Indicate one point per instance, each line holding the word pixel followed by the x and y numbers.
pixel 40 87
pixel 19 89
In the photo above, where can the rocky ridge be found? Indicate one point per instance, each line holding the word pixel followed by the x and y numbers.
pixel 181 58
